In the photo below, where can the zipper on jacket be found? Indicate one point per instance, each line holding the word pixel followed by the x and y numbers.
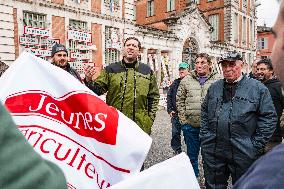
pixel 124 89
pixel 134 95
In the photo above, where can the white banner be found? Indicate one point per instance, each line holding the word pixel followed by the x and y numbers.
pixel 95 145
pixel 175 172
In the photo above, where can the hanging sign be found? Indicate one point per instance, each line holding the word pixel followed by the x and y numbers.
pixel 79 36
pixel 36 31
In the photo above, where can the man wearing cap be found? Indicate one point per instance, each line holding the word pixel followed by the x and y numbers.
pixel 172 109
pixel 59 57
pixel 190 95
pixel 237 120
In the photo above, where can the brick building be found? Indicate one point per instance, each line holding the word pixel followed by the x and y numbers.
pixel 93 32
pixel 265 41
pixel 233 21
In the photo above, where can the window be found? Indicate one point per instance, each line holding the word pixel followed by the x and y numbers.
pixel 214 21
pixel 113 5
pixel 235 27
pixel 170 5
pixel 35 20
pixel 244 32
pixel 245 3
pixel 150 8
pixel 79 52
pixel 112 44
pixel 36 36
pixel 77 25
pixel 262 43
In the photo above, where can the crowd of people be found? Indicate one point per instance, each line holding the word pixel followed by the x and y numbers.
pixel 233 118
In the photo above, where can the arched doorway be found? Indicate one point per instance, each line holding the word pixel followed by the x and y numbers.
pixel 189 52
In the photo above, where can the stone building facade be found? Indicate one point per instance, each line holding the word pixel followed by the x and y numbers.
pixel 94 30
pixel 233 22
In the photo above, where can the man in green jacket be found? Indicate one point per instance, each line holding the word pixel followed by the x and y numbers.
pixel 21 166
pixel 190 95
pixel 130 85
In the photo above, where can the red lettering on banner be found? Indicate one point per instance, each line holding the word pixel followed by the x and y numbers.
pixel 84 113
pixel 48 146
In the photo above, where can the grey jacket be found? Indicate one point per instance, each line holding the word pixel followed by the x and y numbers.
pixel 251 122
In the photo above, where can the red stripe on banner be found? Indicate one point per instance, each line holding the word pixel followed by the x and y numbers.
pixel 82 112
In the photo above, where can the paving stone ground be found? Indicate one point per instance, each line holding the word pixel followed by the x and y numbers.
pixel 160 149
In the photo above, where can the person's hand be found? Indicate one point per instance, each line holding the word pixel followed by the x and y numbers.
pixel 172 114
pixel 91 73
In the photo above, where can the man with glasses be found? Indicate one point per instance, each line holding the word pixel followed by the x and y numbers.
pixel 237 120
pixel 190 95
pixel 265 74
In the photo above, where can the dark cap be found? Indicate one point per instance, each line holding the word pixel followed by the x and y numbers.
pixel 58 47
pixel 231 57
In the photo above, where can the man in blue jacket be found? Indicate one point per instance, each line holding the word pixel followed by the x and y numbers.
pixel 237 120
pixel 172 109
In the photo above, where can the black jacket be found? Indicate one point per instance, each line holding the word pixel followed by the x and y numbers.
pixel 274 87
pixel 171 96
pixel 72 71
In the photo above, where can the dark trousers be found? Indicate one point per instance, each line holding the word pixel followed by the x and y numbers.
pixel 176 134
pixel 218 165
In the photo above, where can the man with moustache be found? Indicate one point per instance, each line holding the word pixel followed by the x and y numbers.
pixel 190 95
pixel 59 57
pixel 237 120
pixel 265 74
pixel 268 172
pixel 131 86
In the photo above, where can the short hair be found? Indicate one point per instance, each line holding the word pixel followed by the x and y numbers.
pixel 134 38
pixel 267 62
pixel 204 55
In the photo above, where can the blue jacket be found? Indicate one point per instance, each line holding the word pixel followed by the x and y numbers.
pixel 251 119
pixel 266 173
pixel 171 96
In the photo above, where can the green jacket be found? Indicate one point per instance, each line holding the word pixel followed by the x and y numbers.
pixel 190 96
pixel 133 91
pixel 20 166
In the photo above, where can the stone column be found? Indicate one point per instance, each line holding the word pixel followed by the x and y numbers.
pixel 144 55
pixel 159 63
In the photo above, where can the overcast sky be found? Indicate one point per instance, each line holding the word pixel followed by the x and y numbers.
pixel 267 12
